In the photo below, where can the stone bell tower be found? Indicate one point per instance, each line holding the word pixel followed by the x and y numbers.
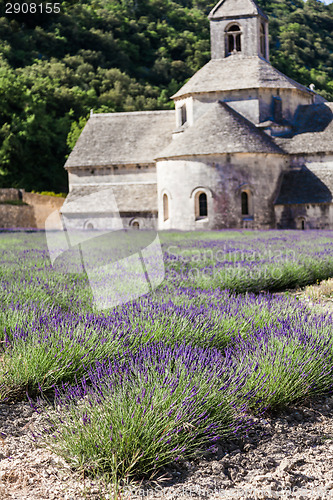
pixel 238 28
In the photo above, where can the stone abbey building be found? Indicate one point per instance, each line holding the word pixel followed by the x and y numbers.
pixel 245 147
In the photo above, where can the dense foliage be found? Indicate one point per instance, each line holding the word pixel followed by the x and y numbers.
pixel 122 55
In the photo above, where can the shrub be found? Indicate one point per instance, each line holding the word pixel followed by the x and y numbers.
pixel 129 418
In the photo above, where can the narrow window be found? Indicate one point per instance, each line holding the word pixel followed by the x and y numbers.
pixel 300 223
pixel 262 40
pixel 165 207
pixel 183 114
pixel 245 203
pixel 203 209
pixel 238 43
pixel 277 109
pixel 234 39
pixel 231 44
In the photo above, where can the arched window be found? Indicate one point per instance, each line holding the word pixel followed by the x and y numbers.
pixel 301 223
pixel 200 196
pixel 234 43
pixel 134 224
pixel 245 203
pixel 262 40
pixel 165 207
pixel 203 207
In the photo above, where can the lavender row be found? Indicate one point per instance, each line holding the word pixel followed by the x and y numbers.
pixel 131 415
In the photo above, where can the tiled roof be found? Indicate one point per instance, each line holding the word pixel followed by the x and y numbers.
pixel 125 198
pixel 313 183
pixel 234 8
pixel 112 138
pixel 220 130
pixel 313 131
pixel 237 72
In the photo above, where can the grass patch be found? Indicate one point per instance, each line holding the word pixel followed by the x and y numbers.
pixel 17 203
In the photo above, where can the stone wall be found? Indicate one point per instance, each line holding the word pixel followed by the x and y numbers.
pixel 12 216
pixel 32 214
pixel 246 102
pixel 304 216
pixel 250 27
pixel 222 179
pixel 42 206
pixel 136 220
pixel 134 189
pixel 309 159
pixel 291 99
pixel 9 194
pixel 113 174
pixel 255 105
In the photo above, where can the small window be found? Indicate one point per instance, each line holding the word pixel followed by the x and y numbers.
pixel 203 208
pixel 183 114
pixel 262 40
pixel 200 204
pixel 165 207
pixel 277 109
pixel 301 223
pixel 245 203
pixel 134 224
pixel 234 44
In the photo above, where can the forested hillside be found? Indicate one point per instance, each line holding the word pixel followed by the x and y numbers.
pixel 122 55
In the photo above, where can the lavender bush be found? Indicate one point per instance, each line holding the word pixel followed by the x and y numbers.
pixel 163 403
pixel 248 260
pixel 53 346
pixel 292 364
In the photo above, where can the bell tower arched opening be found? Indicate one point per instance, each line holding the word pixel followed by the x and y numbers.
pixel 233 39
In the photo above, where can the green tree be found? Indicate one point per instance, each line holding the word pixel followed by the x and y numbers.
pixel 123 55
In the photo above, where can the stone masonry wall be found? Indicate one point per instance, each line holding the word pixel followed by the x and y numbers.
pixel 249 39
pixel 222 179
pixel 313 215
pixel 115 174
pixel 32 215
pixel 12 216
pixel 42 206
pixel 9 194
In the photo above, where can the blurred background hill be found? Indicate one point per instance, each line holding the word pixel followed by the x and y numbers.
pixel 123 55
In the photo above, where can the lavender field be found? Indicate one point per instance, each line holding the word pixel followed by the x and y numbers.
pixel 136 387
